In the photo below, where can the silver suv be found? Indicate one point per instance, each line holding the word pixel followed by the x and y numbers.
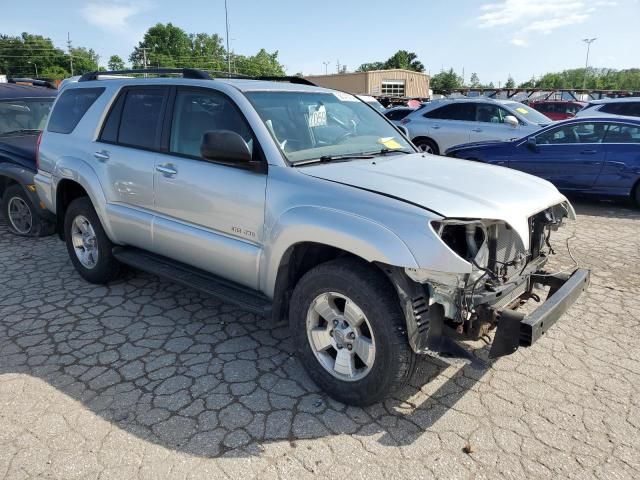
pixel 442 124
pixel 303 204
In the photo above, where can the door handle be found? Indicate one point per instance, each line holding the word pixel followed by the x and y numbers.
pixel 435 127
pixel 167 170
pixel 500 162
pixel 476 129
pixel 102 155
pixel 588 152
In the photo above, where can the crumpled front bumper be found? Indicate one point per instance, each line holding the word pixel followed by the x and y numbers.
pixel 516 329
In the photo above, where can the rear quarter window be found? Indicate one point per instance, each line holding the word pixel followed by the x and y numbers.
pixel 71 107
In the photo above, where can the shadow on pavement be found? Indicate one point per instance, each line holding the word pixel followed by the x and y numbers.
pixel 183 370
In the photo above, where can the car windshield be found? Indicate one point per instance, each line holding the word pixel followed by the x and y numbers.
pixel 24 114
pixel 529 113
pixel 321 125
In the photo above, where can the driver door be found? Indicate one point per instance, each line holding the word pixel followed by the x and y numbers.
pixel 210 215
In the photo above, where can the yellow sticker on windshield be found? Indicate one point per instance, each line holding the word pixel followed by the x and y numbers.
pixel 389 142
pixel 523 111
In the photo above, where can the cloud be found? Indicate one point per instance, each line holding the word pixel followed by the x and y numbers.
pixel 519 42
pixel 112 15
pixel 533 15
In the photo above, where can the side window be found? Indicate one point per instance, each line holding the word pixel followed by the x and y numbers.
pixel 490 113
pixel 455 111
pixel 576 133
pixel 141 117
pixel 196 112
pixel 618 133
pixel 71 107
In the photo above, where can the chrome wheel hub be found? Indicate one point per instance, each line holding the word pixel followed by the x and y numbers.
pixel 85 243
pixel 20 215
pixel 340 336
pixel 426 148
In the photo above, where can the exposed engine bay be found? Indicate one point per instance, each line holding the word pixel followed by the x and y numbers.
pixel 503 275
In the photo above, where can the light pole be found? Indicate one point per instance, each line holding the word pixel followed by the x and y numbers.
pixel 226 18
pixel 326 66
pixel 588 41
pixel 36 67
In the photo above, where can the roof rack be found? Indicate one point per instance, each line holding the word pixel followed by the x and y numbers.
pixel 33 81
pixel 185 72
pixel 194 73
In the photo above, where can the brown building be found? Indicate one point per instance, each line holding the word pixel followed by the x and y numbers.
pixel 385 83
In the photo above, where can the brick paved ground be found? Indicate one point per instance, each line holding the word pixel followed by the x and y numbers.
pixel 146 379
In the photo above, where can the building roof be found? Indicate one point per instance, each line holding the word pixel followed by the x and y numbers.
pixel 412 72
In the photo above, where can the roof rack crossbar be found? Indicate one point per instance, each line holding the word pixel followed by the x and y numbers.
pixel 285 78
pixel 33 81
pixel 185 72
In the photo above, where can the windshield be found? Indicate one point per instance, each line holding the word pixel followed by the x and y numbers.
pixel 529 113
pixel 24 114
pixel 316 125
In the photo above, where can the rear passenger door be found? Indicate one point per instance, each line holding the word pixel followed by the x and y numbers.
pixel 490 124
pixel 125 153
pixel 209 214
pixel 451 124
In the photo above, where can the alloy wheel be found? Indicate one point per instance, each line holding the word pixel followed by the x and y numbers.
pixel 85 242
pixel 340 336
pixel 20 215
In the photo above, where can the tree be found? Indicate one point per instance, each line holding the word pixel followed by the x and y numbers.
pixel 54 72
pixel 262 63
pixel 84 60
pixel 474 80
pixel 165 45
pixel 401 59
pixel 511 83
pixel 20 55
pixel 116 63
pixel 446 81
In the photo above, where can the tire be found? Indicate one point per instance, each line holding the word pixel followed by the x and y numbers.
pixel 21 216
pixel 427 145
pixel 81 223
pixel 635 196
pixel 368 292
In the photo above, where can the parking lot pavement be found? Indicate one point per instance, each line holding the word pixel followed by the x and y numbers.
pixel 146 379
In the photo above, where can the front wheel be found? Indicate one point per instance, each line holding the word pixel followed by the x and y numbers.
pixel 427 145
pixel 350 332
pixel 89 247
pixel 21 215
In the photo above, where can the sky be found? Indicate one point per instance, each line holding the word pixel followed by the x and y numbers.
pixel 494 38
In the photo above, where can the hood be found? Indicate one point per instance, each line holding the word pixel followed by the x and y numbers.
pixel 485 143
pixel 449 187
pixel 20 148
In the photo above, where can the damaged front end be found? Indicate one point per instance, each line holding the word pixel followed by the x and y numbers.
pixel 442 308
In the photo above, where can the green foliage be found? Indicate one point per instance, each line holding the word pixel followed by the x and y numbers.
pixel 474 80
pixel 511 83
pixel 84 60
pixel 596 78
pixel 19 54
pixel 401 59
pixel 446 80
pixel 54 72
pixel 116 63
pixel 262 63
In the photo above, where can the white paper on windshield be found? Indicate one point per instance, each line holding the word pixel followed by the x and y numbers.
pixel 345 97
pixel 317 116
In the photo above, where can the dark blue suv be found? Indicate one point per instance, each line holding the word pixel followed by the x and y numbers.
pixel 24 108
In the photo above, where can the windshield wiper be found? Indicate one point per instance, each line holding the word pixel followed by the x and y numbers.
pixel 334 158
pixel 386 151
pixel 22 130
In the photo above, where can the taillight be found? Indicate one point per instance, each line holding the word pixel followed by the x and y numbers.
pixel 404 121
pixel 38 151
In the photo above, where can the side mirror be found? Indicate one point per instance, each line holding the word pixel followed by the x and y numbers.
pixel 511 121
pixel 532 143
pixel 225 146
pixel 403 129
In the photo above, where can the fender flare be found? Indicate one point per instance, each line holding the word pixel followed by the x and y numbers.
pixel 80 172
pixel 358 235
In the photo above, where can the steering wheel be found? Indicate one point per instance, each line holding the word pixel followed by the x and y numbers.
pixel 342 138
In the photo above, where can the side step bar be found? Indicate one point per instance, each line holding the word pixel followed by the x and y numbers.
pixel 189 276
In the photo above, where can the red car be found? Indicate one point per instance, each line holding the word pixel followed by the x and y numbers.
pixel 558 109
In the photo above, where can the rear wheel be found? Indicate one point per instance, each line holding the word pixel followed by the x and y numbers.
pixel 636 194
pixel 89 247
pixel 350 332
pixel 427 145
pixel 21 215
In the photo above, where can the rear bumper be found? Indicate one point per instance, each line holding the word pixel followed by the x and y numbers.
pixel 516 329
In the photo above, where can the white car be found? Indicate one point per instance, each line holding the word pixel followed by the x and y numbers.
pixel 628 106
pixel 440 125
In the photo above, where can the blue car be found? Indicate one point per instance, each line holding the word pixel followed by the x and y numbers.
pixel 596 156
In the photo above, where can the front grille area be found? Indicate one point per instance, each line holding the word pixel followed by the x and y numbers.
pixel 505 247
